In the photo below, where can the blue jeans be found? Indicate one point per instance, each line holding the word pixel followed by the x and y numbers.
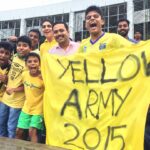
pixel 8 120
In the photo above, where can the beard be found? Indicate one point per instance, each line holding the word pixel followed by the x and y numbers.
pixel 123 33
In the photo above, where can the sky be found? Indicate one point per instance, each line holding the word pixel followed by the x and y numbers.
pixel 18 4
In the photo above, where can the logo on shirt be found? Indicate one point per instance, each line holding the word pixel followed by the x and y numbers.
pixel 16 70
pixel 102 46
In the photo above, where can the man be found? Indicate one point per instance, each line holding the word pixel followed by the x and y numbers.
pixel 123 29
pixel 65 46
pixel 98 39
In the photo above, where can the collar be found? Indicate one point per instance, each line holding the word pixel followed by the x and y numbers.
pixel 70 45
pixel 93 42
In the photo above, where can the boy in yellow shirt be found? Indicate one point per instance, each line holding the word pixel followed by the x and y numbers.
pixel 5 55
pixel 31 116
pixel 13 98
pixel 98 39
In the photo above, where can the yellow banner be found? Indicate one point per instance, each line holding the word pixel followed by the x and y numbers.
pixel 99 100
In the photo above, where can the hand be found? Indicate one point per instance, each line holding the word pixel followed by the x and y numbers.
pixel 3 78
pixel 13 38
pixel 9 91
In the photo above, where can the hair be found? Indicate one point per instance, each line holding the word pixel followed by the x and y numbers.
pixel 137 32
pixel 32 54
pixel 36 31
pixel 121 20
pixel 7 46
pixel 25 39
pixel 65 25
pixel 46 20
pixel 93 8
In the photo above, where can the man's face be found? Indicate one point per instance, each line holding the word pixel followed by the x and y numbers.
pixel 34 38
pixel 47 29
pixel 23 48
pixel 123 28
pixel 4 56
pixel 94 23
pixel 61 34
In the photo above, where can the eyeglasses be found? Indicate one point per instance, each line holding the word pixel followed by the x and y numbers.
pixel 94 16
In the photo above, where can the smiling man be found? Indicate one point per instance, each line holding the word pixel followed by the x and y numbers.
pixel 123 29
pixel 98 39
pixel 65 45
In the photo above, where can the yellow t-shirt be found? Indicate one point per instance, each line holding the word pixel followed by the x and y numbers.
pixel 106 41
pixel 35 51
pixel 2 85
pixel 46 46
pixel 16 99
pixel 34 89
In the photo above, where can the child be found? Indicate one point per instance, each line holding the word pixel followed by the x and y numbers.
pixel 6 50
pixel 13 98
pixel 31 115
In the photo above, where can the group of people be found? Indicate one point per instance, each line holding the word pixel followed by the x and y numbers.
pixel 21 84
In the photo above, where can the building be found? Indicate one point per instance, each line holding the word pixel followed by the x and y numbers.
pixel 20 21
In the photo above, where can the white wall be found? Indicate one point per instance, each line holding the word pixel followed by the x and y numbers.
pixel 52 9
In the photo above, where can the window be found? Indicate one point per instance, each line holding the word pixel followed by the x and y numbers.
pixel 122 9
pixel 11 24
pixel 17 32
pixel 51 18
pixel 66 17
pixel 29 23
pixel 148 30
pixel 36 22
pixel 78 36
pixel 113 10
pixel 124 16
pixel 106 22
pixel 138 5
pixel 5 25
pixel 58 18
pixel 112 21
pixel 104 11
pixel 17 23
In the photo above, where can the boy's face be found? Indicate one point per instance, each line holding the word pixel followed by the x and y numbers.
pixel 33 65
pixel 23 48
pixel 94 23
pixel 34 38
pixel 4 56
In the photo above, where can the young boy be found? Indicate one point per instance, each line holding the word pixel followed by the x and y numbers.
pixel 5 55
pixel 31 115
pixel 13 98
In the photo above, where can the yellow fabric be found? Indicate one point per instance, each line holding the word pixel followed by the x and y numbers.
pixel 34 89
pixel 46 46
pixel 107 41
pixel 97 100
pixel 3 86
pixel 36 51
pixel 16 99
